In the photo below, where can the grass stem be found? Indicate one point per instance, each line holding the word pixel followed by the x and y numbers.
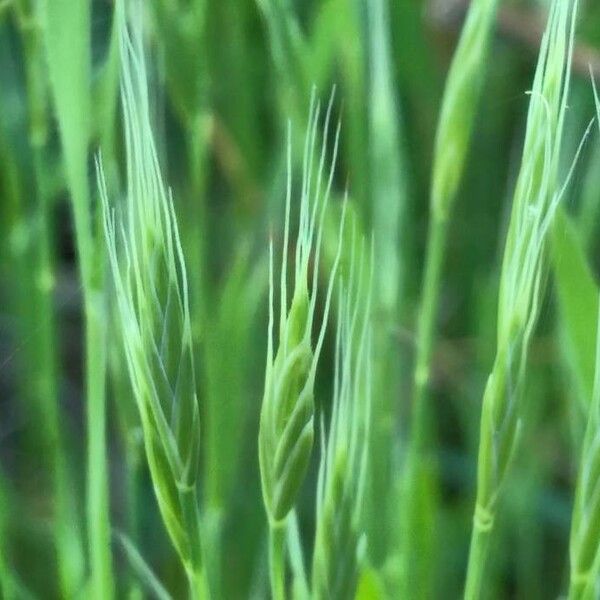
pixel 67 30
pixel 436 249
pixel 277 560
pixel 478 552
pixel 45 386
pixel 417 469
pixel 97 480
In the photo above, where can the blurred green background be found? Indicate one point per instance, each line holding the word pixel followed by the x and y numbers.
pixel 226 76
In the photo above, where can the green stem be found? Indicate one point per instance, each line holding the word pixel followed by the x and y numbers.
pixel 197 224
pixel 97 479
pixel 577 587
pixel 277 560
pixel 301 586
pixel 45 381
pixel 133 463
pixel 132 442
pixel 478 552
pixel 199 589
pixel 196 240
pixel 586 560
pixel 7 586
pixel 436 249
pixel 417 534
pixel 388 188
pixel 67 30
pixel 583 586
pixel 69 546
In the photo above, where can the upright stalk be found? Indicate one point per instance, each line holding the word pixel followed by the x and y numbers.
pixel 584 549
pixel 97 479
pixel 459 104
pixel 478 552
pixel 45 382
pixel 536 197
pixel 196 571
pixel 461 97
pixel 133 463
pixel 389 199
pixel 419 473
pixel 434 262
pixel 277 560
pixel 67 28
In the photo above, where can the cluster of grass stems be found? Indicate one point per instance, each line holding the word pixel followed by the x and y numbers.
pixel 344 444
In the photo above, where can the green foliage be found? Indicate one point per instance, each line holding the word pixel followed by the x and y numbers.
pixel 136 317
pixel 578 301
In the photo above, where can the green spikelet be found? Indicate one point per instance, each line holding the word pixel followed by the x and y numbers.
pixel 537 195
pixel 150 285
pixel 287 416
pixel 286 432
pixel 343 467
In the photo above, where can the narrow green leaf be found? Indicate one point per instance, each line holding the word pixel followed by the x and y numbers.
pixel 67 36
pixel 577 294
pixel 141 567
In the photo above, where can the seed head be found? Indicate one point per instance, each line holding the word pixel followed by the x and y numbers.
pixel 343 467
pixel 150 283
pixel 287 415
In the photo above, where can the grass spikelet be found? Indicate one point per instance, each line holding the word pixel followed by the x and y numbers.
pixel 343 466
pixel 150 284
pixel 535 200
pixel 287 415
pixel 585 526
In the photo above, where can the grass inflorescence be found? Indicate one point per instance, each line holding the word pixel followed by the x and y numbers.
pixel 151 292
pixel 286 433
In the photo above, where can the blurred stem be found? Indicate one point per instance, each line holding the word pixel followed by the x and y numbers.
pixel 277 560
pixel 133 467
pixel 97 481
pixel 389 199
pixel 133 449
pixel 8 589
pixel 196 225
pixel 461 98
pixel 436 249
pixel 287 50
pixel 196 243
pixel 67 29
pixel 45 381
pixel 419 473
